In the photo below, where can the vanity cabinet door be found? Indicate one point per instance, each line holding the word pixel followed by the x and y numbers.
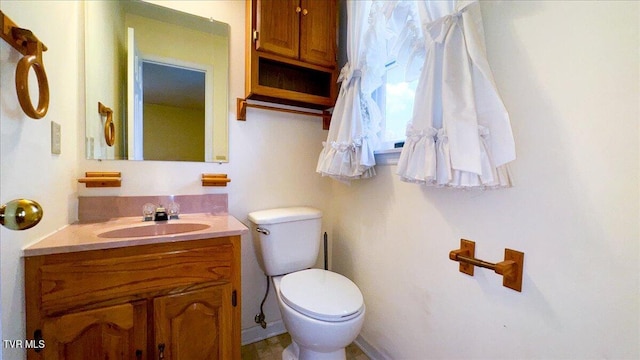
pixel 195 325
pixel 115 332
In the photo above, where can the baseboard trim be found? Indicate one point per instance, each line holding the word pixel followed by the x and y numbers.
pixel 257 333
pixel 371 352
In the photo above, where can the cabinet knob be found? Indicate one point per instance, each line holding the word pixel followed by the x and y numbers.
pixel 138 354
pixel 298 9
pixel 161 351
pixel 305 12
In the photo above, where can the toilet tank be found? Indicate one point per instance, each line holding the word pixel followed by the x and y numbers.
pixel 286 239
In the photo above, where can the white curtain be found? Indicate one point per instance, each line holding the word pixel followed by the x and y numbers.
pixel 460 133
pixel 348 151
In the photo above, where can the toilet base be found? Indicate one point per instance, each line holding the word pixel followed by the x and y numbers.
pixel 293 352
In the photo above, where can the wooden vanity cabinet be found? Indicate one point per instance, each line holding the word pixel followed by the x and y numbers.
pixel 177 301
pixel 291 52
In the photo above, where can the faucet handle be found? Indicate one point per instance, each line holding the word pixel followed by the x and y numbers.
pixel 148 210
pixel 174 210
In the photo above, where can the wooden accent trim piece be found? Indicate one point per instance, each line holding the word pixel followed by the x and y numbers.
pixel 101 179
pixel 242 105
pixel 8 35
pixel 468 249
pixel 28 45
pixel 510 269
pixel 215 180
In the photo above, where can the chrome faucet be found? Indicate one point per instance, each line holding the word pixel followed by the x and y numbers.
pixel 160 214
pixel 152 212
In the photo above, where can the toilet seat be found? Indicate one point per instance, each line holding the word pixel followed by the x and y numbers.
pixel 322 295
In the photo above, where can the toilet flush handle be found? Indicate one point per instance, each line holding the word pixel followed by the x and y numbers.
pixel 264 231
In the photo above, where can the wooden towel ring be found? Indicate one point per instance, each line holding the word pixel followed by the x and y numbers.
pixel 22 86
pixel 109 126
pixel 28 45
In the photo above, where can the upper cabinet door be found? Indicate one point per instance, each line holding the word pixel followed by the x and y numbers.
pixel 318 32
pixel 278 27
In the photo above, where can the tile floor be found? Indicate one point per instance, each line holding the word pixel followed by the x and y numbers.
pixel 271 349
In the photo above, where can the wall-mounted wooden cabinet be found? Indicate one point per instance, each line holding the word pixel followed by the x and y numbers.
pixel 178 301
pixel 291 52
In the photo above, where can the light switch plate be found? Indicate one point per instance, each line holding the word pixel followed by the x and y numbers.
pixel 55 138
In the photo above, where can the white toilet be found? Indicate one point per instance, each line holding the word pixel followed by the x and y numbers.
pixel 323 311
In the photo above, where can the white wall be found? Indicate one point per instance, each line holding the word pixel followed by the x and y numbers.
pixel 27 167
pixel 568 73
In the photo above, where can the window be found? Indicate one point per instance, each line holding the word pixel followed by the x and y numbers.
pixel 395 99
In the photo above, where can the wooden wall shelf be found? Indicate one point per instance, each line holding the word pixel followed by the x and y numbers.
pixel 242 105
pixel 215 180
pixel 101 179
pixel 291 53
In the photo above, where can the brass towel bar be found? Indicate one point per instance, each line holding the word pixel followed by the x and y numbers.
pixel 242 105
pixel 510 268
pixel 28 45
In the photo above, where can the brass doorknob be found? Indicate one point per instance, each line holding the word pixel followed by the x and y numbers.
pixel 20 214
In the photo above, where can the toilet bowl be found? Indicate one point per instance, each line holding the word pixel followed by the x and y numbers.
pixel 323 312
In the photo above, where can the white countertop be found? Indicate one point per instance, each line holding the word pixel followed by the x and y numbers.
pixel 84 236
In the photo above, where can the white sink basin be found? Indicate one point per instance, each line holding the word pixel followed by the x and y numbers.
pixel 156 229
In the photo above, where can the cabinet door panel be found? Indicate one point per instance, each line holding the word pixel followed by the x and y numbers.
pixel 115 332
pixel 318 32
pixel 195 325
pixel 278 26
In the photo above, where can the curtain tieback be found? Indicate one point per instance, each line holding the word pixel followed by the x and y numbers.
pixel 347 74
pixel 439 28
pixel 343 147
pixel 416 135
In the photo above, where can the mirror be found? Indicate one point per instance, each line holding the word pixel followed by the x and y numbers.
pixel 164 74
